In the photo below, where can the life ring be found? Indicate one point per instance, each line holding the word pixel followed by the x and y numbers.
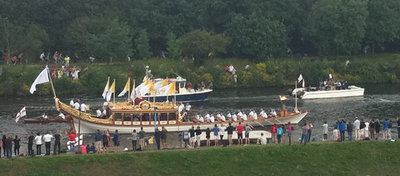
pixel 144 105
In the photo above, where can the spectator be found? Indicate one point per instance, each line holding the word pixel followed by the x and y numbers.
pixel 116 139
pixel 16 145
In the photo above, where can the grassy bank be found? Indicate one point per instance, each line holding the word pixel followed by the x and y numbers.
pixel 356 158
pixel 15 80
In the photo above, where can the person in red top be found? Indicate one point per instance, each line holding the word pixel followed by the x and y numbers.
pixel 273 132
pixel 189 85
pixel 239 129
pixel 72 136
pixel 7 58
pixel 83 149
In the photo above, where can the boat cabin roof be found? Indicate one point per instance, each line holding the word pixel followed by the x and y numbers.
pixel 143 107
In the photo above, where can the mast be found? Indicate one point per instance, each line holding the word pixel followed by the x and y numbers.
pixel 295 97
pixel 114 92
pixel 129 90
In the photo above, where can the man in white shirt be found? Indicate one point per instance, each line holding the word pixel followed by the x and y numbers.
pixel 83 107
pixel 356 125
pixel 61 115
pixel 47 141
pixel 76 106
pixel 38 142
pixel 71 103
pixel 234 117
pixel 98 113
pixel 325 131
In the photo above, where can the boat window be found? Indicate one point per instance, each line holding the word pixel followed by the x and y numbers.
pixel 118 117
pixel 172 116
pixel 136 117
pixel 128 117
pixel 163 116
pixel 145 117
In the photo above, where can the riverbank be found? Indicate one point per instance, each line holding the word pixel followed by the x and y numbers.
pixel 348 158
pixel 15 80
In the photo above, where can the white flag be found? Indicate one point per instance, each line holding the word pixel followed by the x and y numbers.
pixel 330 76
pixel 21 113
pixel 144 90
pixel 133 93
pixel 126 88
pixel 106 88
pixel 42 78
pixel 300 78
pixel 110 91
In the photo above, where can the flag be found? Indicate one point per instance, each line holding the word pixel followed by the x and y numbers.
pixel 110 91
pixel 330 76
pixel 126 88
pixel 106 88
pixel 139 88
pixel 160 84
pixel 21 113
pixel 168 89
pixel 42 78
pixel 283 97
pixel 143 90
pixel 300 78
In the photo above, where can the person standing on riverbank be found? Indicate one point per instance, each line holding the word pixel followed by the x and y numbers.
pixel 289 130
pixel 216 131
pixel 98 141
pixel 8 145
pixel 304 134
pixel 4 145
pixel 141 138
pixel 221 134
pixel 134 139
pixel 164 133
pixel 38 142
pixel 342 129
pixel 310 126
pixel 31 138
pixel 16 145
pixel 371 129
pixel 247 134
pixel 356 125
pixel 273 132
pixel 230 129
pixel 198 133
pixel 325 131
pixel 157 137
pixel 398 127
pixel 57 143
pixel 279 133
pixel 116 139
pixel 47 142
pixel 208 134
pixel 105 141
pixel 72 136
pixel 350 130
pixel 239 129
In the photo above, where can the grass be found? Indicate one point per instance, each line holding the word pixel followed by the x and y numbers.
pixel 354 158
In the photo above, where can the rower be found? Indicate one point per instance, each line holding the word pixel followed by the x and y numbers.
pixel 98 113
pixel 83 107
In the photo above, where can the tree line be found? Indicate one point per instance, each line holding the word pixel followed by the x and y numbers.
pixel 255 29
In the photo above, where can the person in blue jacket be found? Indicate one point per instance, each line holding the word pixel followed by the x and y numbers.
pixel 342 129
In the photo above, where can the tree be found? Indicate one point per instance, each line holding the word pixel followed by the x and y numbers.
pixel 142 45
pixel 383 23
pixel 104 37
pixel 24 40
pixel 338 27
pixel 173 49
pixel 257 37
pixel 201 44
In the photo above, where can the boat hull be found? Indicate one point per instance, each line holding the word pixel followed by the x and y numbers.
pixel 183 97
pixel 90 127
pixel 354 91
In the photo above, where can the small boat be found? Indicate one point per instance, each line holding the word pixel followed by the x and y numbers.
pixel 330 89
pixel 47 120
pixel 351 91
pixel 125 117
pixel 183 93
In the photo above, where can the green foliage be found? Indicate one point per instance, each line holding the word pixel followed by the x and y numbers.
pixel 202 44
pixel 104 37
pixel 347 158
pixel 338 27
pixel 383 23
pixel 174 50
pixel 26 39
pixel 257 37
pixel 142 45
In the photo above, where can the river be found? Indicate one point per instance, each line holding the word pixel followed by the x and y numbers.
pixel 379 102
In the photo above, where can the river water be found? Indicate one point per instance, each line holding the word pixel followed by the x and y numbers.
pixel 379 102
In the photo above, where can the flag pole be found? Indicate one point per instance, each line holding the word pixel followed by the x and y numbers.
pixel 295 98
pixel 114 92
pixel 51 82
pixel 134 91
pixel 129 90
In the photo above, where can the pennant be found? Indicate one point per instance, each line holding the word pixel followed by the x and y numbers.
pixel 42 78
pixel 139 88
pixel 110 91
pixel 126 88
pixel 106 88
pixel 158 85
pixel 20 114
pixel 300 78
